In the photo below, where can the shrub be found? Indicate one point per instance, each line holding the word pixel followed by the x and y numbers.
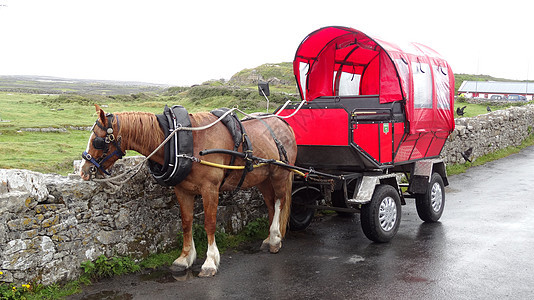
pixel 104 267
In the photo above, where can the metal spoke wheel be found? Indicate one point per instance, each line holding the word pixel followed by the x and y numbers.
pixel 431 204
pixel 381 217
pixel 301 216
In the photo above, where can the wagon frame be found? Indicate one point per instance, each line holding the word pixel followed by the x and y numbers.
pixel 377 116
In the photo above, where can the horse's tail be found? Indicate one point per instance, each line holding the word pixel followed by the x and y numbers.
pixel 286 208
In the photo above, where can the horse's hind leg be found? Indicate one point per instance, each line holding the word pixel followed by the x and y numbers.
pixel 274 241
pixel 210 198
pixel 189 254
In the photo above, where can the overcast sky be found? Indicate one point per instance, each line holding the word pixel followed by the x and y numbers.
pixel 192 41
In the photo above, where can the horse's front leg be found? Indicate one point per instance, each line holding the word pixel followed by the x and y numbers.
pixel 189 254
pixel 210 198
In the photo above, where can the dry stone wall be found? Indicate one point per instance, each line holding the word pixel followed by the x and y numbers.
pixel 488 133
pixel 49 224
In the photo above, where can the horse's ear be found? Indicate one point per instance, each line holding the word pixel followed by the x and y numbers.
pixel 102 114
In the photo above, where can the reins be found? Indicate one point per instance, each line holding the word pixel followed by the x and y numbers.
pixel 115 186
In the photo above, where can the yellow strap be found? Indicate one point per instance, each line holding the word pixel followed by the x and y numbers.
pixel 216 165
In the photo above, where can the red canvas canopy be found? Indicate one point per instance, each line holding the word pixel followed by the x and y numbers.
pixel 342 61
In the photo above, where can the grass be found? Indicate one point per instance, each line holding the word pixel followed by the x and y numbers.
pixel 42 152
pixel 53 152
pixel 473 109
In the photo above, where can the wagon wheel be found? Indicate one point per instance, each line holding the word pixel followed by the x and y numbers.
pixel 381 217
pixel 301 216
pixel 431 204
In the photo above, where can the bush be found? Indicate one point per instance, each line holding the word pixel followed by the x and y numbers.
pixel 104 267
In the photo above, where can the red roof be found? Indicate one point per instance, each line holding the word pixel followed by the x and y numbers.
pixel 338 61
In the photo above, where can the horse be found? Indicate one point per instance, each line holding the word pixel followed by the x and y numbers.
pixel 140 131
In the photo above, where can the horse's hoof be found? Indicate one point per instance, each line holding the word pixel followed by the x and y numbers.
pixel 265 246
pixel 178 269
pixel 208 272
pixel 275 248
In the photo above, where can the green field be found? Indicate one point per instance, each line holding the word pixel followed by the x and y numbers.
pixel 54 152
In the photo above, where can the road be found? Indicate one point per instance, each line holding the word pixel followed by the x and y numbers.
pixel 482 248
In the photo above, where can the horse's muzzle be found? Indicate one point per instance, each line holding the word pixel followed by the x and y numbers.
pixel 89 171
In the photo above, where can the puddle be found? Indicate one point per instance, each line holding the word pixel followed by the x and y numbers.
pixel 185 275
pixel 161 276
pixel 167 276
pixel 109 295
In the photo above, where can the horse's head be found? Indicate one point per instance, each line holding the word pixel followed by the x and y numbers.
pixel 103 147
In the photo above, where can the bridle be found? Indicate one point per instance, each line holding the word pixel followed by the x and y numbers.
pixel 102 143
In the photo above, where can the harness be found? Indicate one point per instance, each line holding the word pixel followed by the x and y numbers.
pixel 178 158
pixel 102 143
pixel 237 131
pixel 281 150
pixel 178 150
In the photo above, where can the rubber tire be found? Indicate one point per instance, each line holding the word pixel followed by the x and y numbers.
pixel 370 214
pixel 424 204
pixel 301 217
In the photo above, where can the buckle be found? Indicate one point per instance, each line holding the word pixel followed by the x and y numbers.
pixel 87 156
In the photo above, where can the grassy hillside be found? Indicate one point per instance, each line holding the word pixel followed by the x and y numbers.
pixel 277 74
pixel 281 75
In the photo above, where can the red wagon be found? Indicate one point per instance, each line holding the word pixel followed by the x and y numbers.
pixel 372 110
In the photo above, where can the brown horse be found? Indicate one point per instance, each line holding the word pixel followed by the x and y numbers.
pixel 141 132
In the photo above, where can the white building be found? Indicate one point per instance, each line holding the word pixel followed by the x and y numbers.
pixel 497 90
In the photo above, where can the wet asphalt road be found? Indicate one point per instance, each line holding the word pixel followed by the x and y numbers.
pixel 482 248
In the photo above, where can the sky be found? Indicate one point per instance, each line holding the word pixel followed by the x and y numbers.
pixel 193 41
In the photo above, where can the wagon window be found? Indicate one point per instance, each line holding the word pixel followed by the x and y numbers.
pixel 404 73
pixel 422 85
pixel 441 80
pixel 349 84
pixel 303 70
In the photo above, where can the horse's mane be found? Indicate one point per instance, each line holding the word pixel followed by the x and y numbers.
pixel 140 130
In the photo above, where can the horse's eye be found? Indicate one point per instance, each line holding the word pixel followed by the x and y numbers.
pixel 99 143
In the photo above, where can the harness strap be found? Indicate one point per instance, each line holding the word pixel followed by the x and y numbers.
pixel 176 167
pixel 240 137
pixel 110 138
pixel 281 150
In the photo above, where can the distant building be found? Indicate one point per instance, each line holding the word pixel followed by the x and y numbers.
pixel 497 90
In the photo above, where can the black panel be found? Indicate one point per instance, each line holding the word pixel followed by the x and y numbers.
pixel 343 158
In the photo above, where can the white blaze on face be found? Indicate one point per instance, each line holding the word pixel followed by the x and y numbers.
pixel 85 176
pixel 89 142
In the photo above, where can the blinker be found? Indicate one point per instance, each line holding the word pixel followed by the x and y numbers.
pixel 99 143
